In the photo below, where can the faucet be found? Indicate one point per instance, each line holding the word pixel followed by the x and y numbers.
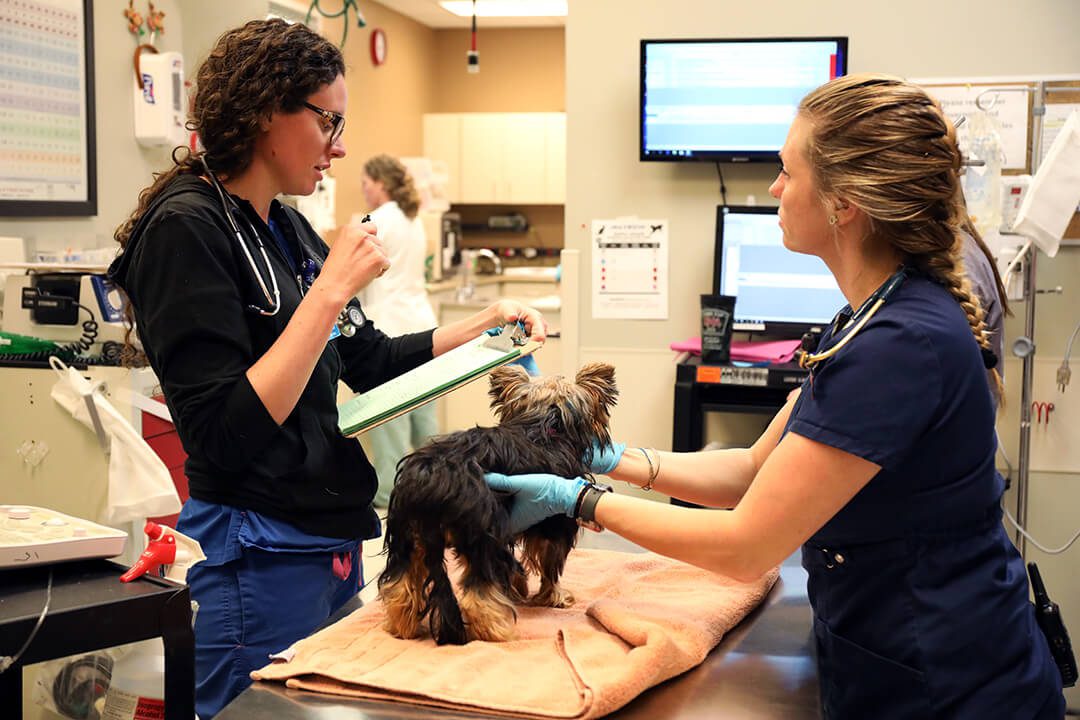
pixel 490 255
pixel 469 258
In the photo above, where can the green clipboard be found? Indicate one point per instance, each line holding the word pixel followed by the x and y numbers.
pixel 425 383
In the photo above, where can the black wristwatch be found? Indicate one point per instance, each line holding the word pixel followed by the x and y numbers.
pixel 585 510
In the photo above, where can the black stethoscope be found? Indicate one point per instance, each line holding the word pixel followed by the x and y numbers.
pixel 349 320
pixel 808 359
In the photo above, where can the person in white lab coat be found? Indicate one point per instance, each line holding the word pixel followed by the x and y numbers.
pixel 398 302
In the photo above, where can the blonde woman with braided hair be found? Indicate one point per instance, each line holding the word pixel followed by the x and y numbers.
pixel 882 467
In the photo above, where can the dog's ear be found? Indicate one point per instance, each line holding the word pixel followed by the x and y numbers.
pixel 504 381
pixel 599 380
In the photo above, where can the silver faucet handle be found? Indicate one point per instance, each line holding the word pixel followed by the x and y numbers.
pixel 491 255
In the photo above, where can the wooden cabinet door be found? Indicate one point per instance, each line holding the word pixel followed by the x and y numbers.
pixel 500 158
pixel 482 139
pixel 524 160
pixel 555 158
pixel 442 143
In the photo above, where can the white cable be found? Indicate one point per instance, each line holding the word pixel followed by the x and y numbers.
pixel 1001 449
pixel 1016 260
pixel 1035 542
pixel 1063 548
pixel 1063 371
pixel 8 660
pixel 1068 350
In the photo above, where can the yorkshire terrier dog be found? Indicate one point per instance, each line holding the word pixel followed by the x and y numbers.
pixel 440 501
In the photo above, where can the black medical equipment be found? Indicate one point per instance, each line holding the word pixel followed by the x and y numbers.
pixel 1048 616
pixel 349 320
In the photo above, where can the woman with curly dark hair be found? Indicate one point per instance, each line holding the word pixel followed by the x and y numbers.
pixel 247 318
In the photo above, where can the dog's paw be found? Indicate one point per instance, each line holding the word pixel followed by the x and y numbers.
pixel 402 605
pixel 403 624
pixel 554 597
pixel 488 614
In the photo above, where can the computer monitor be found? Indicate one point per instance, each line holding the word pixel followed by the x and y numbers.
pixel 777 292
pixel 728 100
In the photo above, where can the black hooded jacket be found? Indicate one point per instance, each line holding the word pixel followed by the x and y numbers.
pixel 190 285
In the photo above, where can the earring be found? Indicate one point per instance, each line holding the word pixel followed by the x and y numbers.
pixel 833 219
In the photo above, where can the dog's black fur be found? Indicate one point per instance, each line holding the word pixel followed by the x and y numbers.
pixel 440 501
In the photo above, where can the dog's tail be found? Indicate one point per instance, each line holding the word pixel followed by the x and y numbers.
pixel 440 605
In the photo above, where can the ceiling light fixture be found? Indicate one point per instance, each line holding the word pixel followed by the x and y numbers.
pixel 506 8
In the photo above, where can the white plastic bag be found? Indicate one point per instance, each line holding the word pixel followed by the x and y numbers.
pixel 980 140
pixel 72 686
pixel 139 483
pixel 1054 193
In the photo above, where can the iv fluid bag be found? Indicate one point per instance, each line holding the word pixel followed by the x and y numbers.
pixel 979 140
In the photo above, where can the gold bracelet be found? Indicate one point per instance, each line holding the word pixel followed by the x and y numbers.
pixel 654 470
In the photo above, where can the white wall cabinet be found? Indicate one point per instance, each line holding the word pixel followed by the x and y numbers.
pixel 442 142
pixel 500 158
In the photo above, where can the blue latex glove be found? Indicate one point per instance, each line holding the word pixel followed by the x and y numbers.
pixel 528 363
pixel 537 496
pixel 604 459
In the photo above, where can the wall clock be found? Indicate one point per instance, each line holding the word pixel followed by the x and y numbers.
pixel 378 47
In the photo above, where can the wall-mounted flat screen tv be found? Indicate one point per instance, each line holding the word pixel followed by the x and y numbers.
pixel 728 100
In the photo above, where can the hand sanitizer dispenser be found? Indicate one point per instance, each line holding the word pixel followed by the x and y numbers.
pixel 159 100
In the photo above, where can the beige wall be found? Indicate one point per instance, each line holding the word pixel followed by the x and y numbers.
pixel 921 38
pixel 521 70
pixel 386 103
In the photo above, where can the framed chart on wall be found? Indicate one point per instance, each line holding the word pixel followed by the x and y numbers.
pixel 1011 112
pixel 47 136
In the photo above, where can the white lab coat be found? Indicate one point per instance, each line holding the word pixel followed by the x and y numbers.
pixel 397 302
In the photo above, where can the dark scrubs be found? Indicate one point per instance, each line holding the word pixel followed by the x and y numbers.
pixel 263 586
pixel 920 599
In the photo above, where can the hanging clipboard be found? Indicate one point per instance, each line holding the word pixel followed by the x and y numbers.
pixel 425 383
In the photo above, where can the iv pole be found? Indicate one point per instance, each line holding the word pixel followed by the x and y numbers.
pixel 1024 346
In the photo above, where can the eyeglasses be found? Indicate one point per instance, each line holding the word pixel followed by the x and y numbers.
pixel 335 120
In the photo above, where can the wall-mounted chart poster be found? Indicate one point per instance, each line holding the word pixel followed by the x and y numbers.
pixel 47 165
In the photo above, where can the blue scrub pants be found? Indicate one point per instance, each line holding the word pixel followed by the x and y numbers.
pixel 260 604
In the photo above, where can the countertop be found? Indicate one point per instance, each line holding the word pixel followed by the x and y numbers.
pixel 762 669
pixel 518 274
pixel 487 288
pixel 479 301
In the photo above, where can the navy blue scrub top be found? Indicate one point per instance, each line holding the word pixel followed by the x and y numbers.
pixel 920 599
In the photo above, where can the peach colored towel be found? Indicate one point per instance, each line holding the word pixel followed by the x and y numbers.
pixel 638 620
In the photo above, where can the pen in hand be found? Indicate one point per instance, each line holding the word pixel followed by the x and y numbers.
pixel 366 219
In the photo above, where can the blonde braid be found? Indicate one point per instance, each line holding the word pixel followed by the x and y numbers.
pixel 947 267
